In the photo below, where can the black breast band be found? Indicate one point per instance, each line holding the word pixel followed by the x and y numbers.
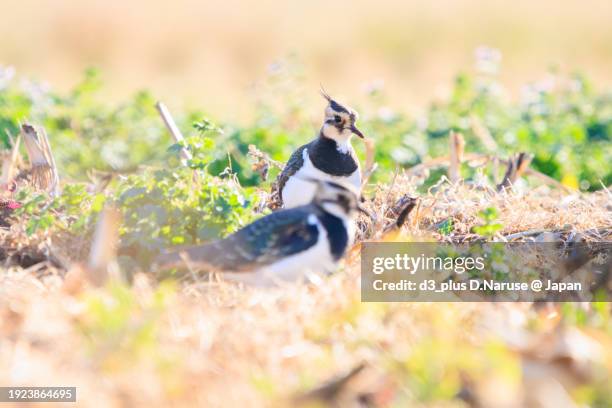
pixel 336 233
pixel 325 156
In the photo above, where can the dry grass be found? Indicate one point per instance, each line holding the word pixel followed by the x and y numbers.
pixel 217 344
pixel 540 208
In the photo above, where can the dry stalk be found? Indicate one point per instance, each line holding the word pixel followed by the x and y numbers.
pixel 524 234
pixel 173 129
pixel 262 162
pixel 444 161
pixel 394 217
pixel 102 263
pixel 457 144
pixel 370 164
pixel 547 179
pixel 516 167
pixel 403 208
pixel 43 168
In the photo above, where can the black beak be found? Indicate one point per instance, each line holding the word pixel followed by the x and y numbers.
pixel 357 131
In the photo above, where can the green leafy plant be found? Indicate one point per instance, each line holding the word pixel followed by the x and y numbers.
pixel 446 227
pixel 489 223
pixel 74 210
pixel 179 207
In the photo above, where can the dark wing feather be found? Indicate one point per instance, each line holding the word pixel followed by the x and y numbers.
pixel 268 239
pixel 293 165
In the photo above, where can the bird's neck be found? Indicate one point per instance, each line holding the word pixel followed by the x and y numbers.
pixel 336 141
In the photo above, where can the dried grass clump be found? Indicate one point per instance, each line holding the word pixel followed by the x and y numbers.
pixel 214 343
pixel 520 210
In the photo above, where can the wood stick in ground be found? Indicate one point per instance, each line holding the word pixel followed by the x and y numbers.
pixel 401 210
pixel 370 164
pixel 49 154
pixel 102 263
pixel 516 167
pixel 173 129
pixel 456 145
pixel 405 206
pixel 44 171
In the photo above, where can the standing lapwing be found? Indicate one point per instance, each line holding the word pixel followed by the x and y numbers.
pixel 329 157
pixel 283 246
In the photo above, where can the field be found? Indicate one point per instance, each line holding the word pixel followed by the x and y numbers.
pixel 494 146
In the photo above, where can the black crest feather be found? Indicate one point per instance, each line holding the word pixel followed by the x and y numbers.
pixel 325 94
pixel 334 105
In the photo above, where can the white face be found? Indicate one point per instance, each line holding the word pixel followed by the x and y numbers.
pixel 337 210
pixel 336 125
pixel 339 123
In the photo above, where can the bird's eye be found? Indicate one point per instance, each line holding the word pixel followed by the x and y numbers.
pixel 337 119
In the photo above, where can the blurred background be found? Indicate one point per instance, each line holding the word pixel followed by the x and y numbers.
pixel 212 53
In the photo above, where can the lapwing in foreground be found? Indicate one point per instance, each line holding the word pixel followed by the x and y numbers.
pixel 329 157
pixel 287 245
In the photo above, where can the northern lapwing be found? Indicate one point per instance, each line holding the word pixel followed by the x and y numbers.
pixel 329 157
pixel 287 245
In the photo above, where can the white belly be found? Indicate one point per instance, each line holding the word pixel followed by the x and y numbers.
pixel 298 191
pixel 315 261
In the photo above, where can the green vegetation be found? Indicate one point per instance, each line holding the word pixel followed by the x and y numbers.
pixel 564 122
pixel 169 207
pixel 489 223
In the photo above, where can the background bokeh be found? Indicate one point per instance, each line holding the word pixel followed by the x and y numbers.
pixel 212 53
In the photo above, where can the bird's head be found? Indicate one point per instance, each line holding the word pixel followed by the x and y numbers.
pixel 339 123
pixel 340 199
